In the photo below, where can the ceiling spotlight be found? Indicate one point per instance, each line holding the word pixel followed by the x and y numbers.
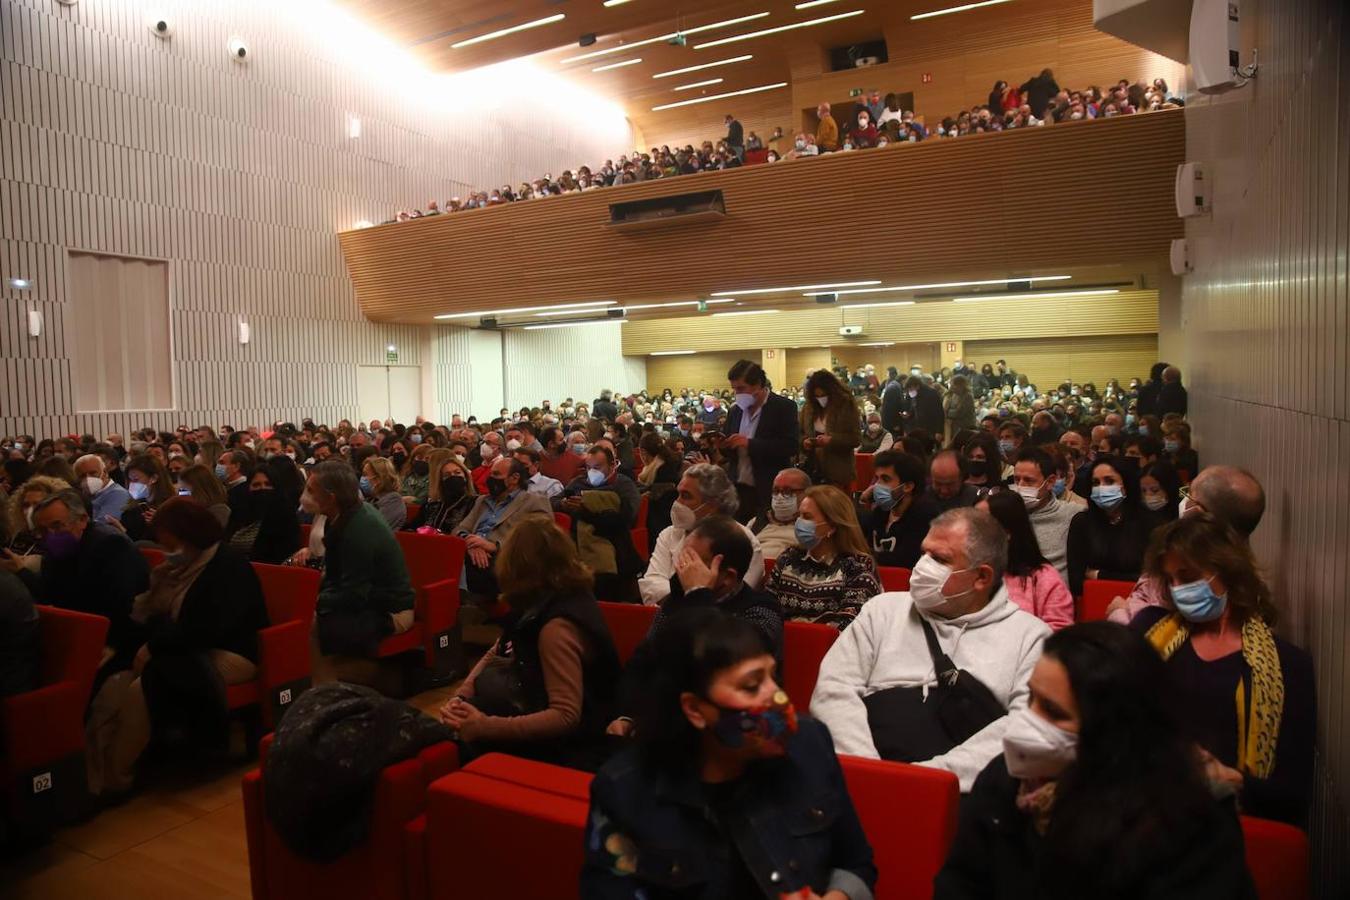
pixel 19 284
pixel 160 26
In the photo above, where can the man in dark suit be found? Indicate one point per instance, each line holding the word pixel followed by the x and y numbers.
pixel 924 408
pixel 761 437
pixel 735 137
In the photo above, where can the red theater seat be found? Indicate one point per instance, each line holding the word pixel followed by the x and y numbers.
pixel 153 556
pixel 862 465
pixel 1277 856
pixel 412 509
pixel 434 564
pixel 804 646
pixel 909 814
pixel 474 831
pixel 768 568
pixel 1097 595
pixel 528 773
pixel 291 593
pixel 893 578
pixel 756 157
pixel 563 521
pixel 640 544
pixel 377 869
pixel 628 625
pixel 42 731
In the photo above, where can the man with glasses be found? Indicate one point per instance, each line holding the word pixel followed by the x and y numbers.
pixel 776 529
pixel 1034 480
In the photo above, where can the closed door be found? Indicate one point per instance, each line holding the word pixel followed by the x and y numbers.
pixel 389 392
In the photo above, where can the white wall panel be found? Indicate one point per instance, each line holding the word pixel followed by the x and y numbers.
pixel 239 176
pixel 468 366
pixel 557 363
pixel 1265 321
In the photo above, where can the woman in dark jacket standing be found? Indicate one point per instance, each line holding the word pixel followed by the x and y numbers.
pixel 832 429
pixel 726 793
pixel 1099 792
pixel 203 611
pixel 546 689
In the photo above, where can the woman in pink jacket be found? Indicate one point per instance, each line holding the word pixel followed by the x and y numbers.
pixel 1032 583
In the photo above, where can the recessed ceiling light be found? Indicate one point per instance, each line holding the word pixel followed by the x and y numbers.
pixel 720 62
pixel 711 97
pixel 572 324
pixel 665 37
pixel 943 284
pixel 746 312
pixel 767 31
pixel 956 9
pixel 1044 296
pixel 616 2
pixel 807 5
pixel 524 309
pixel 503 32
pixel 617 65
pixel 696 84
pixel 672 353
pixel 799 287
pixel 876 305
pixel 19 284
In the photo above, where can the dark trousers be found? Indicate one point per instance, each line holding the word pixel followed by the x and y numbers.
pixel 750 506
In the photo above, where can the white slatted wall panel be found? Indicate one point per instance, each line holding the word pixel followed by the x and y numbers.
pixel 114 141
pixel 1266 318
pixel 468 373
pixel 568 362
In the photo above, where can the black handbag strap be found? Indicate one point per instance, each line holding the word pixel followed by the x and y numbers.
pixel 946 670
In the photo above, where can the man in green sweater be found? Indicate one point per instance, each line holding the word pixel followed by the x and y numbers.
pixel 365 595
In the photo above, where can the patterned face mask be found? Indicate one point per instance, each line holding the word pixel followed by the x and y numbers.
pixel 762 727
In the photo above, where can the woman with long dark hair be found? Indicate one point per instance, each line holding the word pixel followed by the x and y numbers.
pixel 831 429
pixel 984 462
pixel 723 782
pixel 1099 792
pixel 1032 581
pixel 1108 541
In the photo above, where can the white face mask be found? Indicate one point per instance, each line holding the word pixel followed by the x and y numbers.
pixel 928 579
pixel 93 484
pixel 784 507
pixel 822 401
pixel 1030 495
pixel 1036 748
pixel 513 445
pixel 682 517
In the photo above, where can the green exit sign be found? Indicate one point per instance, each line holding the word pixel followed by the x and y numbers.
pixel 391 354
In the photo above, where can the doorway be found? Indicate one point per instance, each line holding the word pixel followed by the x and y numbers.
pixel 389 392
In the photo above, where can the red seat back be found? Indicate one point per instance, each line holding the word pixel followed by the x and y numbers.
pixel 531 774
pixel 431 557
pixel 1277 857
pixel 628 625
pixel 893 578
pixel 644 504
pixel 153 555
pixel 804 646
pixel 640 544
pixel 304 534
pixel 71 646
pixel 1097 595
pixel 862 466
pixel 756 157
pixel 291 592
pixel 412 509
pixel 563 521
pixel 910 846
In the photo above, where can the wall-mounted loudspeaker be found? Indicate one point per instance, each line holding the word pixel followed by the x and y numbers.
pixel 1181 257
pixel 1192 190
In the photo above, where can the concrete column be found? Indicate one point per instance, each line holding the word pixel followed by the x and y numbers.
pixel 1171 342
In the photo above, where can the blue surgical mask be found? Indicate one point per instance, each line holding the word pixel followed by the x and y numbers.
pixel 1171 446
pixel 1108 496
pixel 1059 488
pixel 883 497
pixel 579 449
pixel 1006 447
pixel 1143 426
pixel 596 477
pixel 1197 602
pixel 366 487
pixel 139 490
pixel 805 532
pixel 220 471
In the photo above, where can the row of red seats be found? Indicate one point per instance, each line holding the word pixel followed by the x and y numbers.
pixel 441 834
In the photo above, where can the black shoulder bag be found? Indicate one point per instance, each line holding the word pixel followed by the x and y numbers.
pixel 907 727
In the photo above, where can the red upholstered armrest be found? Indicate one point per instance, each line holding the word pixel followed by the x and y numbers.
pixel 42 726
pixel 255 830
pixel 438 760
pixel 415 859
pixel 283 653
pixel 437 605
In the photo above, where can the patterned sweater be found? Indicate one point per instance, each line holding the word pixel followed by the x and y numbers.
pixel 831 593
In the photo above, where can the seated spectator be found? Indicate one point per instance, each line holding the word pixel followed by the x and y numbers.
pixel 205 490
pixel 1033 583
pixel 863 134
pixel 450 496
pixel 22 547
pixel 20 644
pixel 874 437
pixel 380 486
pixel 984 464
pixel 1011 436
pixel 556 462
pixel 1066 476
pixel 234 470
pixel 778 529
pixel 1177 446
pixel 107 498
pixel 415 474
pixel 603 505
pixel 1097 792
pixel 703 491
pixel 829 575
pixel 721 765
pixel 660 464
pixel 202 614
pixel 1108 541
pixel 1034 481
pixel 874 681
pixel 900 511
pixel 88 567
pixel 1159 494
pixel 537 483
pixel 365 595
pixel 491 519
pixel 1218 642
pixel 269 530
pixel 546 689
pixel 150 486
pixel 489 452
pixel 947 478
pixel 326 757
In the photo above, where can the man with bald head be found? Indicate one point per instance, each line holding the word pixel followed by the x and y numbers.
pixel 947 477
pixel 1171 395
pixel 1229 494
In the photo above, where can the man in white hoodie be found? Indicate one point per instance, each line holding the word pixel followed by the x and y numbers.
pixel 957 588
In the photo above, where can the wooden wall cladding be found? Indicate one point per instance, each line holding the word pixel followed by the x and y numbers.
pixel 699 371
pixel 899 212
pixel 1049 361
pixel 1128 312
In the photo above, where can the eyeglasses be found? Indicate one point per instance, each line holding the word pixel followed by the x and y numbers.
pixel 982 492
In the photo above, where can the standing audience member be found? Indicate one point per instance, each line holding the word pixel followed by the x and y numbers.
pixel 1033 583
pixel 829 422
pixel 959 407
pixel 900 512
pixel 776 531
pixel 202 614
pixel 761 436
pixel 827 132
pixel 1171 395
pixel 1097 792
pixel 829 575
pixel 876 679
pixel 923 407
pixel 1108 541
pixel 1220 647
pixel 546 689
pixel 722 767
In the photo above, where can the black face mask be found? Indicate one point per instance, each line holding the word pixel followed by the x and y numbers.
pixel 421 467
pixel 496 486
pixel 453 488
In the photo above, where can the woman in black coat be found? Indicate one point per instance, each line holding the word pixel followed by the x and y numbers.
pixel 269 532
pixel 1099 792
pixel 1108 541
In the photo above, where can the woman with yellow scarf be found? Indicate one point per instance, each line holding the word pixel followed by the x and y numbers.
pixel 1247 694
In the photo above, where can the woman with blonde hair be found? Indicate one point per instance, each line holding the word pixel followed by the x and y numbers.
pixel 450 495
pixel 830 574
pixel 22 539
pixel 831 425
pixel 380 485
pixel 546 689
